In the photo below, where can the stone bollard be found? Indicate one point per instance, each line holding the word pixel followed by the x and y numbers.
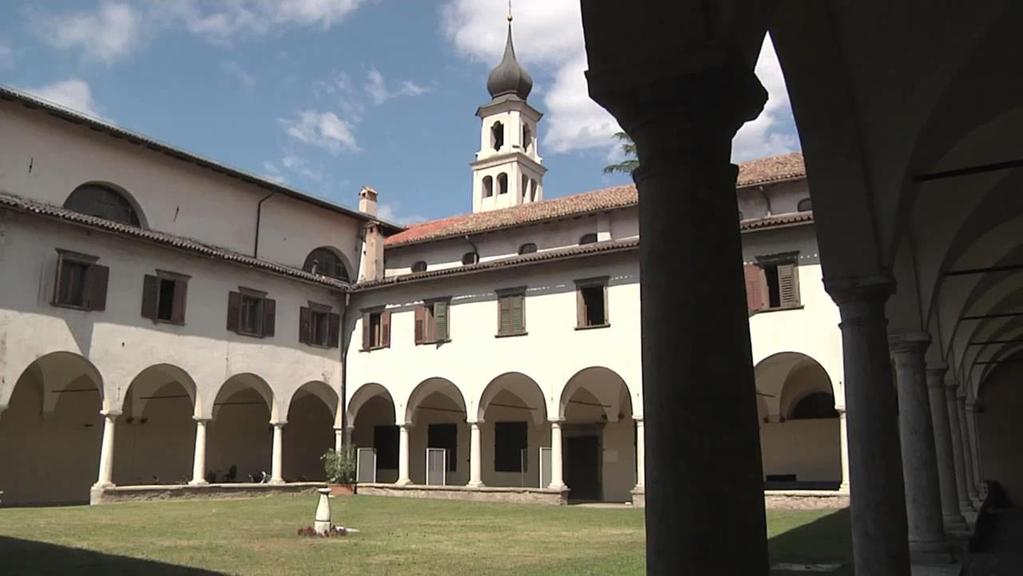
pixel 322 523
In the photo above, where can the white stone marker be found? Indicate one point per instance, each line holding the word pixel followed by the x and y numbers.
pixel 322 523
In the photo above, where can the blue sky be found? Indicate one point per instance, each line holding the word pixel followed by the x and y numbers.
pixel 329 95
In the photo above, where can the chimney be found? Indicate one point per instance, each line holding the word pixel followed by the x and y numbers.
pixel 372 265
pixel 368 201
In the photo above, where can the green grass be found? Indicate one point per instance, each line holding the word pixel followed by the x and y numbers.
pixel 399 536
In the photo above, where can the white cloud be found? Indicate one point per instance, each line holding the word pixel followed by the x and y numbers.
pixel 106 34
pixel 549 42
pixel 232 68
pixel 222 21
pixel 390 211
pixel 74 94
pixel 379 93
pixel 323 130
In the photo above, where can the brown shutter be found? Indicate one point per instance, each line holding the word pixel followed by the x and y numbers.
pixel 756 288
pixel 96 278
pixel 234 310
pixel 269 317
pixel 333 330
pixel 440 320
pixel 580 308
pixel 518 313
pixel 420 323
pixel 504 325
pixel 385 329
pixel 788 284
pixel 58 279
pixel 150 296
pixel 366 343
pixel 305 323
pixel 180 301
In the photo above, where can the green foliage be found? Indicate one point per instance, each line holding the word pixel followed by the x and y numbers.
pixel 630 163
pixel 340 466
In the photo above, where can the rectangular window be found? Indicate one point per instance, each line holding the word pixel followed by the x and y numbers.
pixel 385 440
pixel 511 312
pixel 251 313
pixel 444 436
pixel 80 282
pixel 432 322
pixel 318 326
pixel 376 329
pixel 510 439
pixel 591 303
pixel 164 296
pixel 772 282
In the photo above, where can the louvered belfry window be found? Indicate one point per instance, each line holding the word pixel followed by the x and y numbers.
pixel 772 282
pixel 511 312
pixel 432 322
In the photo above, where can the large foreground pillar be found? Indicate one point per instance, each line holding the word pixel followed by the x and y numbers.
pixel 276 462
pixel 557 478
pixel 403 454
pixel 951 516
pixel 475 456
pixel 955 432
pixel 199 456
pixel 916 433
pixel 877 497
pixel 106 454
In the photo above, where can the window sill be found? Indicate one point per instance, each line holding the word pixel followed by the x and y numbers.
pixel 71 307
pixel 511 334
pixel 777 309
pixel 594 326
pixel 249 334
pixel 171 322
pixel 371 349
pixel 433 342
pixel 319 346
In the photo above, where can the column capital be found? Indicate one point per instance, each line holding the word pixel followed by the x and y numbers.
pixel 938 369
pixel 111 414
pixel 840 410
pixel 476 422
pixel 556 421
pixel 862 289
pixel 279 423
pixel 909 342
pixel 202 419
pixel 638 419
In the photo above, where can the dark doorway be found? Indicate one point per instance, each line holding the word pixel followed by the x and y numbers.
pixel 582 467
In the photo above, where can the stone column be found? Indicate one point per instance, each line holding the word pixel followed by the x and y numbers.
pixel 346 439
pixel 475 456
pixel 106 454
pixel 843 433
pixel 403 454
pixel 971 426
pixel 276 474
pixel 919 466
pixel 640 457
pixel 971 480
pixel 877 495
pixel 199 456
pixel 955 432
pixel 557 479
pixel 951 516
pixel 339 439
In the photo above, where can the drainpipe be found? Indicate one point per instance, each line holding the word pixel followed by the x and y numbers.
pixel 344 365
pixel 259 217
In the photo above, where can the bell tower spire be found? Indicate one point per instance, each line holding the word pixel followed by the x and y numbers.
pixel 508 170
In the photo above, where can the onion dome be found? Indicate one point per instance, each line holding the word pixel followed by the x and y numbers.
pixel 509 78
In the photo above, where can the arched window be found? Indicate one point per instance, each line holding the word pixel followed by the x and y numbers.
pixel 470 258
pixel 497 136
pixel 805 205
pixel 103 202
pixel 815 405
pixel 419 266
pixel 588 238
pixel 488 186
pixel 502 183
pixel 527 248
pixel 527 138
pixel 326 262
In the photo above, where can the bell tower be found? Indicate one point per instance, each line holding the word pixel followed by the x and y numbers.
pixel 508 170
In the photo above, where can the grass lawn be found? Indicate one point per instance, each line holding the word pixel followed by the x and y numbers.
pixel 399 536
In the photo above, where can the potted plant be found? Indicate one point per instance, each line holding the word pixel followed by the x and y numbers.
pixel 340 469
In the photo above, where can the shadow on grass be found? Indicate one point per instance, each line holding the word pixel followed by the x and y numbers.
pixel 826 540
pixel 29 557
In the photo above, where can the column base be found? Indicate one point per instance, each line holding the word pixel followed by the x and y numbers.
pixel 843 488
pixel 930 553
pixel 198 483
pixel 475 485
pixel 102 485
pixel 276 481
pixel 639 496
pixel 560 487
pixel 403 482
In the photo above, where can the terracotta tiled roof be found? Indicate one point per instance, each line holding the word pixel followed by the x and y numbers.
pixel 752 173
pixel 27 206
pixel 606 247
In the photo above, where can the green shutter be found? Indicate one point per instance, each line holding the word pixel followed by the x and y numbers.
pixel 440 320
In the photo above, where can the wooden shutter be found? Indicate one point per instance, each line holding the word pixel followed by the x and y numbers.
pixel 96 278
pixel 420 324
pixel 180 301
pixel 440 320
pixel 518 313
pixel 580 307
pixel 385 329
pixel 305 325
pixel 756 288
pixel 504 325
pixel 788 284
pixel 366 343
pixel 234 310
pixel 150 296
pixel 333 330
pixel 269 317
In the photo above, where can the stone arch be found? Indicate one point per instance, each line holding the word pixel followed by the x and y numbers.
pixel 512 417
pixel 154 377
pixel 364 394
pixel 312 417
pixel 776 385
pixel 436 414
pixel 239 382
pixel 609 389
pixel 514 383
pixel 427 388
pixel 372 419
pixel 320 390
pixel 51 431
pixel 240 434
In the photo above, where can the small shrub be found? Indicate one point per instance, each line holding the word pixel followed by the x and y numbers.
pixel 340 465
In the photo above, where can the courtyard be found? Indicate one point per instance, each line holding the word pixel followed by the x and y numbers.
pixel 397 536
